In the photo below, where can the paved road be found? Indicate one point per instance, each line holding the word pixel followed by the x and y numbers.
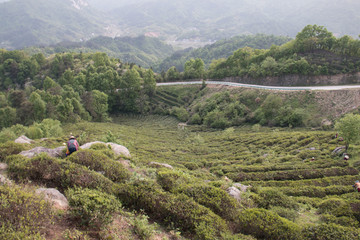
pixel 338 87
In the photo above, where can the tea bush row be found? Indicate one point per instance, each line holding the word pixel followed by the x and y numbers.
pixel 293 174
pixel 319 182
pixel 99 162
pixel 280 167
pixel 313 191
pixel 57 173
pixel 177 210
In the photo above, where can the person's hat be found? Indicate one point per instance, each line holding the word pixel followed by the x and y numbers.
pixel 346 157
pixel 72 137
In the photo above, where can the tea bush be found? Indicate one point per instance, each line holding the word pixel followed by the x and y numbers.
pixel 330 231
pixel 264 224
pixel 94 208
pixel 99 162
pixel 23 214
pixel 178 210
pixel 293 174
pixel 343 221
pixel 169 180
pixel 216 199
pixel 10 148
pixel 60 174
pixel 335 206
pixel 272 197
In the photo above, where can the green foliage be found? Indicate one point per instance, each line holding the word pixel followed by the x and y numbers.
pixel 179 209
pixel 270 198
pixel 10 148
pixel 214 198
pixel 349 128
pixel 34 132
pixel 180 113
pixel 142 227
pixel 94 208
pixel 264 224
pixel 324 231
pixel 335 206
pixel 53 172
pixel 99 162
pixel 23 214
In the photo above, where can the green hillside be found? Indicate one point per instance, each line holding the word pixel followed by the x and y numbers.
pixel 220 49
pixel 143 51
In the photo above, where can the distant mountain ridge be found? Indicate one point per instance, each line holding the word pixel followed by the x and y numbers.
pixel 143 51
pixel 42 22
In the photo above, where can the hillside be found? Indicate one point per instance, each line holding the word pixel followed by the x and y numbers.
pixel 143 51
pixel 230 182
pixel 220 49
pixel 42 22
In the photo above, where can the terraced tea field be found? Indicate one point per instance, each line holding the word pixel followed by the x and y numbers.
pixel 275 162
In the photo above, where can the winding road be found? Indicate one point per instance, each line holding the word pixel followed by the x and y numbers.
pixel 232 84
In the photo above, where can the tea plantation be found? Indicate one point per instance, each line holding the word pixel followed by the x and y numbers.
pixel 290 196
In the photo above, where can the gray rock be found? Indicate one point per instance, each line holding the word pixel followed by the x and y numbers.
pixel 159 165
pixel 4 180
pixel 52 195
pixel 241 187
pixel 234 192
pixel 3 166
pixel 119 150
pixel 56 152
pixel 338 150
pixel 24 139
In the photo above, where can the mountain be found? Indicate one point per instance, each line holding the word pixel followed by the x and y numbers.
pixel 144 51
pixel 205 20
pixel 42 22
pixel 220 49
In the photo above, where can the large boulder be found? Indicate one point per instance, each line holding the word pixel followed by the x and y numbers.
pixel 24 139
pixel 119 150
pixel 56 152
pixel 52 195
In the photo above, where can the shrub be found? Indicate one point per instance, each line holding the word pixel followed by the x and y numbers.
pixel 99 162
pixel 23 214
pixel 264 224
pixel 289 214
pixel 142 227
pixel 60 174
pixel 335 206
pixel 169 180
pixel 343 221
pixel 330 231
pixel 179 210
pixel 271 198
pixel 34 132
pixel 216 199
pixel 10 148
pixel 94 208
pixel 7 135
pixel 180 113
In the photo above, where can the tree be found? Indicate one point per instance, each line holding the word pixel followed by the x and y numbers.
pixel 314 37
pixel 349 128
pixel 149 82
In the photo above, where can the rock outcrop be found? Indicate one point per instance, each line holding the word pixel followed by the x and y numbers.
pixel 160 165
pixel 24 139
pixel 56 152
pixel 52 195
pixel 119 150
